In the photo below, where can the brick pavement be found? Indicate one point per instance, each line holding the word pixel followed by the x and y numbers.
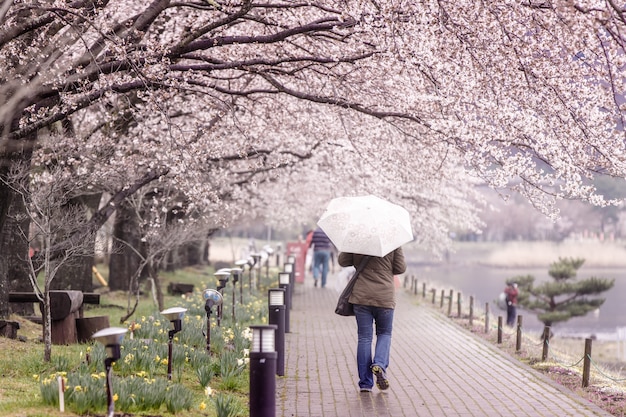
pixel 436 368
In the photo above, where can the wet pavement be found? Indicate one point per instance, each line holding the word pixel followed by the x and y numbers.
pixel 436 368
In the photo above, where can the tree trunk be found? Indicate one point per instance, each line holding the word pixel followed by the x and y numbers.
pixel 193 253
pixel 14 265
pixel 6 197
pixel 154 274
pixel 77 274
pixel 124 261
pixel 16 254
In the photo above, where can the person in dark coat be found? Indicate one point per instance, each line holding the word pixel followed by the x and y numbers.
pixel 511 292
pixel 374 300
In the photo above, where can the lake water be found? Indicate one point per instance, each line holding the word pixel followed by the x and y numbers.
pixel 486 284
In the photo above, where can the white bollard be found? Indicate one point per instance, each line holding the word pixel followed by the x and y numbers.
pixel 61 385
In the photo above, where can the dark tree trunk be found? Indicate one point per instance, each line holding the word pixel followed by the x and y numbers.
pixel 16 254
pixel 206 252
pixel 13 248
pixel 77 274
pixel 13 258
pixel 6 197
pixel 124 262
pixel 154 274
pixel 172 261
pixel 193 253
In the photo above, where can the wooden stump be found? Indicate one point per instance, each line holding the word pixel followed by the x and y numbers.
pixel 9 329
pixel 63 303
pixel 64 310
pixel 87 326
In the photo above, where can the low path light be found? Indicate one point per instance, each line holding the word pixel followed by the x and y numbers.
pixel 111 338
pixel 175 316
pixel 276 304
pixel 263 371
pixel 222 276
pixel 279 248
pixel 211 298
pixel 236 273
pixel 268 249
pixel 290 267
pixel 251 263
pixel 283 282
pixel 257 262
pixel 241 264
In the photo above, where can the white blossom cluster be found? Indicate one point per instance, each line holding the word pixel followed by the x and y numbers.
pixel 270 109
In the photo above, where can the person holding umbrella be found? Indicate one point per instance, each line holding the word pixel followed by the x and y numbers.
pixel 374 302
pixel 369 233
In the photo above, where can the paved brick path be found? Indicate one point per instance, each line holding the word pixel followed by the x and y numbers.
pixel 436 369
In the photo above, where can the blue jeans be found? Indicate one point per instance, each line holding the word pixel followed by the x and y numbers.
pixel 366 317
pixel 321 258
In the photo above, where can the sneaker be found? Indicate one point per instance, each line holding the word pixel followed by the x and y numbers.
pixel 365 389
pixel 381 377
pixel 315 283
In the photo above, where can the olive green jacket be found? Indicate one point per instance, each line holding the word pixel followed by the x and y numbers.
pixel 375 285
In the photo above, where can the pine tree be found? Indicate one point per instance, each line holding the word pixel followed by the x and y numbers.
pixel 564 297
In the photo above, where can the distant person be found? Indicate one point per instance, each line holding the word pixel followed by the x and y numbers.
pixel 322 250
pixel 511 292
pixel 374 299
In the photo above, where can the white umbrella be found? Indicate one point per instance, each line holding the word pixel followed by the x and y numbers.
pixel 366 225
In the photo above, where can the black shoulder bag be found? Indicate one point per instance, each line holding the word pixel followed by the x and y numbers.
pixel 344 308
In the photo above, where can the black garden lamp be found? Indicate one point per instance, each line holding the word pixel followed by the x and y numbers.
pixel 269 251
pixel 251 263
pixel 279 248
pixel 257 262
pixel 241 264
pixel 290 268
pixel 263 371
pixel 276 304
pixel 111 338
pixel 236 273
pixel 283 282
pixel 222 276
pixel 175 316
pixel 211 298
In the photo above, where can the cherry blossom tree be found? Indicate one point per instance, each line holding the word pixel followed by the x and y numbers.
pixel 235 102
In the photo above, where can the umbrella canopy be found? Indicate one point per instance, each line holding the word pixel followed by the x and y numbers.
pixel 366 225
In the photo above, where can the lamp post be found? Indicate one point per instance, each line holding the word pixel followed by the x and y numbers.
pixel 111 338
pixel 257 262
pixel 263 371
pixel 276 303
pixel 279 248
pixel 251 262
pixel 268 249
pixel 175 316
pixel 290 268
pixel 241 264
pixel 222 276
pixel 211 298
pixel 283 282
pixel 236 272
